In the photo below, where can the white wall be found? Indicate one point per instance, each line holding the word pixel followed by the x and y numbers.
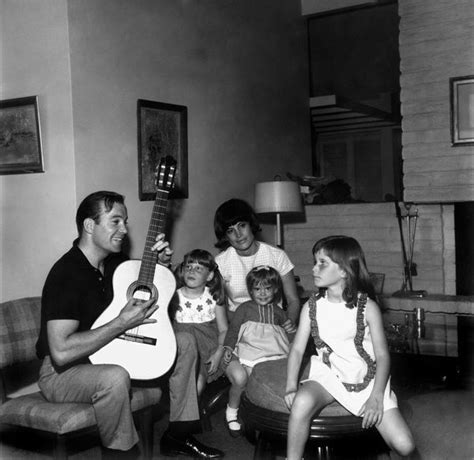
pixel 239 67
pixel 37 210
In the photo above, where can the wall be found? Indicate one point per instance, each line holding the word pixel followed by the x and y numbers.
pixel 239 67
pixel 375 226
pixel 436 43
pixel 321 6
pixel 37 210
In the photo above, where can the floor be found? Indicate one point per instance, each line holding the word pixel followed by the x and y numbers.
pixel 235 448
pixel 441 419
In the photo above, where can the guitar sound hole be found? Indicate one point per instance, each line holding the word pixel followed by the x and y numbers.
pixel 142 291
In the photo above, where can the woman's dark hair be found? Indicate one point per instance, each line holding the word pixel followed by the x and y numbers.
pixel 205 258
pixel 263 274
pixel 347 253
pixel 94 204
pixel 229 213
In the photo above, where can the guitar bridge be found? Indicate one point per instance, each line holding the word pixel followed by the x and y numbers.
pixel 137 338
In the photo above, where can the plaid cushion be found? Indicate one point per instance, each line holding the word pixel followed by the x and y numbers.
pixel 19 329
pixel 33 411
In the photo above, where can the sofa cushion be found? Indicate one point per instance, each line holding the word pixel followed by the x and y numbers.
pixel 33 411
pixel 267 384
pixel 19 328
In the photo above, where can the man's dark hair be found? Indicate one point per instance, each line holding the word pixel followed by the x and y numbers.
pixel 94 204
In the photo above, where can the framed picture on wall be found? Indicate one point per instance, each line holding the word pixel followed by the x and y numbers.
pixel 162 131
pixel 20 136
pixel 462 110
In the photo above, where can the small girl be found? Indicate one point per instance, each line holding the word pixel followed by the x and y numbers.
pixel 352 364
pixel 200 308
pixel 255 335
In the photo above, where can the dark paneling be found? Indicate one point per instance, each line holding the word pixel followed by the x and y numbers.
pixel 355 53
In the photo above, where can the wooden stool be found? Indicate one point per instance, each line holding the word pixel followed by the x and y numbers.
pixel 334 433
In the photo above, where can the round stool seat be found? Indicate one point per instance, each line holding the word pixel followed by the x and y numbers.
pixel 264 411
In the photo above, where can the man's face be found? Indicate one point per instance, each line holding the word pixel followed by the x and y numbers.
pixel 109 232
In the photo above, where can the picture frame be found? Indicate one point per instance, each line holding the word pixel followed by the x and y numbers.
pixel 162 130
pixel 461 91
pixel 21 150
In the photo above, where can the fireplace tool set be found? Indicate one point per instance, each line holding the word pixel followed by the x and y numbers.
pixel 407 225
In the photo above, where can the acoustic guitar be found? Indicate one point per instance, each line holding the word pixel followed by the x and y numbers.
pixel 149 350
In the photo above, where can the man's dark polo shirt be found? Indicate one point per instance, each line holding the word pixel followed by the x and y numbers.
pixel 74 289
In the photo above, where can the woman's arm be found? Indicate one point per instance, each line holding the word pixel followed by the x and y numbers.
pixel 296 355
pixel 291 295
pixel 238 318
pixel 222 326
pixel 372 410
pixel 222 323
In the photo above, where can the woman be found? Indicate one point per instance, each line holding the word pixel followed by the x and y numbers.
pixel 235 226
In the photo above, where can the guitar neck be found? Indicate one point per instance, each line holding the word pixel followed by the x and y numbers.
pixel 157 225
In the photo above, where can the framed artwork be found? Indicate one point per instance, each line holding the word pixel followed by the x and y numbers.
pixel 20 136
pixel 162 131
pixel 462 110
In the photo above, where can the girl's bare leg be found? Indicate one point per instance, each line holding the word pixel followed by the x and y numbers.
pixel 310 399
pixel 238 378
pixel 396 433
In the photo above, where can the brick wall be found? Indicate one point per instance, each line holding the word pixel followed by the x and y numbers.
pixel 375 226
pixel 436 43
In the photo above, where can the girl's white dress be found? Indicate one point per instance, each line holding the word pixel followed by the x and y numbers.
pixel 198 317
pixel 345 364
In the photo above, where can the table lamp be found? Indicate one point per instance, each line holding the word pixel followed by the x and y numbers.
pixel 278 197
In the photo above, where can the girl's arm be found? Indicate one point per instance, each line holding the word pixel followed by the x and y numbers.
pixel 222 326
pixel 292 299
pixel 238 318
pixel 372 410
pixel 296 355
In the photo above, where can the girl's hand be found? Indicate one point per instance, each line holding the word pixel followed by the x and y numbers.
pixel 289 398
pixel 227 358
pixel 163 249
pixel 213 362
pixel 289 327
pixel 372 411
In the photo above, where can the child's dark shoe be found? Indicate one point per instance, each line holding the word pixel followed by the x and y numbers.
pixel 234 427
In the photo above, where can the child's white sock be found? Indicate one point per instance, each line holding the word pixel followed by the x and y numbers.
pixel 231 417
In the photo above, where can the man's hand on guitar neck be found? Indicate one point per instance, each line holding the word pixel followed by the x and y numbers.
pixel 163 249
pixel 137 312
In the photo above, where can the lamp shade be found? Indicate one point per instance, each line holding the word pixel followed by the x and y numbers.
pixel 278 197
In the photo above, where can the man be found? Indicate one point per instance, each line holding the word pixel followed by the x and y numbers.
pixel 77 290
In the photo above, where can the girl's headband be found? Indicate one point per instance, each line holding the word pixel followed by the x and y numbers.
pixel 261 267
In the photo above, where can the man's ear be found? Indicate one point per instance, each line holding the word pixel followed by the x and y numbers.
pixel 88 225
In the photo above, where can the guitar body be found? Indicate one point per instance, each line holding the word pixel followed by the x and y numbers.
pixel 147 351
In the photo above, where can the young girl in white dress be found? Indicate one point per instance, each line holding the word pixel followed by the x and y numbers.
pixel 352 365
pixel 199 307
